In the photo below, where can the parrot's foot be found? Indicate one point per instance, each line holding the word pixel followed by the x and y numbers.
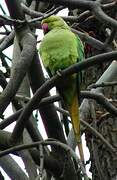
pixel 59 72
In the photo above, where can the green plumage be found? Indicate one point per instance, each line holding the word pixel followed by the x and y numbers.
pixel 59 49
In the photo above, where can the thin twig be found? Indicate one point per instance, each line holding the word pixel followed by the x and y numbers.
pixel 6 41
pixel 38 15
pixel 15 116
pixel 8 19
pixel 103 84
pixel 91 40
pixel 41 160
pixel 44 101
pixel 30 12
pixel 101 100
pixel 46 15
pixel 4 33
pixel 112 100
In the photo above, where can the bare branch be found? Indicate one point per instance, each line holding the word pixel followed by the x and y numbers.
pixel 12 169
pixel 9 20
pixel 36 14
pixel 41 160
pixel 103 84
pixel 7 41
pixel 101 100
pixel 39 15
pixel 30 12
pixel 92 41
pixel 47 15
pixel 14 117
pixel 28 44
pixel 27 54
pixel 48 142
pixel 50 163
pixel 101 16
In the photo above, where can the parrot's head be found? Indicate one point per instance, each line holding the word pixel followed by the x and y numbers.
pixel 53 22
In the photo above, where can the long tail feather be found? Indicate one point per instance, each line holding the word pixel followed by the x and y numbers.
pixel 74 112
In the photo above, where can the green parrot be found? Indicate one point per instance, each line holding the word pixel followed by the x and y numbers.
pixel 59 49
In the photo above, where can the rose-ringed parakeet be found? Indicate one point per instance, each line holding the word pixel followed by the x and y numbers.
pixel 59 49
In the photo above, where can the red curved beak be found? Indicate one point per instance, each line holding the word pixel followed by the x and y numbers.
pixel 45 27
